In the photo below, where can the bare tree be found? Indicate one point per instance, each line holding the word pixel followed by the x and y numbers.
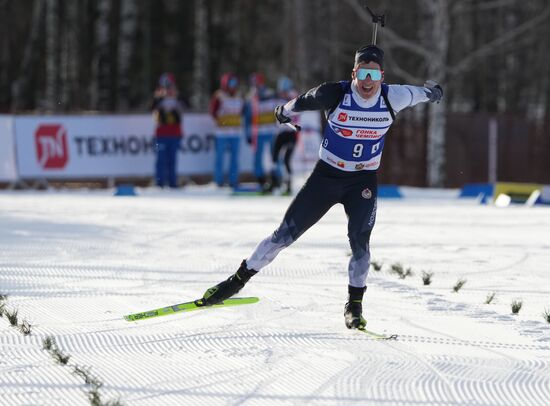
pixel 299 43
pixel 99 84
pixel 287 36
pixel 69 58
pixel 4 55
pixel 126 41
pixel 438 42
pixel 235 33
pixel 333 34
pixel 200 95
pixel 51 101
pixel 20 86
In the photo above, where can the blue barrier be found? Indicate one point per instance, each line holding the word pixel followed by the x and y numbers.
pixel 389 191
pixel 477 189
pixel 125 190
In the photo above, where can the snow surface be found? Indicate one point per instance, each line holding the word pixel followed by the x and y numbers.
pixel 73 263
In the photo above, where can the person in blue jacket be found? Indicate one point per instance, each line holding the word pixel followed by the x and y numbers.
pixel 359 113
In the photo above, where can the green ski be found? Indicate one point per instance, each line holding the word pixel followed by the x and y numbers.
pixel 188 307
pixel 377 336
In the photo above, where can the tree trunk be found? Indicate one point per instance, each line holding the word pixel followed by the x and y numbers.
pixel 69 56
pixel 20 86
pixel 51 102
pixel 201 75
pixel 437 40
pixel 287 36
pixel 99 85
pixel 333 24
pixel 146 85
pixel 127 34
pixel 302 63
pixel 236 33
pixel 6 95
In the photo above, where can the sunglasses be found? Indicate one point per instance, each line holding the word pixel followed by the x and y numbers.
pixel 362 73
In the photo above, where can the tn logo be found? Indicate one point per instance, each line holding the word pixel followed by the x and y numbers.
pixel 342 117
pixel 51 146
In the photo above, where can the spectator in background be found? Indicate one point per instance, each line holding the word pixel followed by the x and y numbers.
pixel 226 107
pixel 168 110
pixel 285 141
pixel 260 124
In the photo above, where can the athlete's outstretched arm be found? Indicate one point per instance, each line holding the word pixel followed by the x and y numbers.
pixel 403 96
pixel 322 97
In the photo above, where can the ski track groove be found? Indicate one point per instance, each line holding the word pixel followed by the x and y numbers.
pixel 39 378
pixel 243 344
pixel 39 274
pixel 473 343
pixel 218 339
pixel 414 376
pixel 492 385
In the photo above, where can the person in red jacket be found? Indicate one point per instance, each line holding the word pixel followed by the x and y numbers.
pixel 167 108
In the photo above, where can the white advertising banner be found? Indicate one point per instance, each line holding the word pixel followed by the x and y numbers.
pixel 105 146
pixel 8 167
pixel 110 146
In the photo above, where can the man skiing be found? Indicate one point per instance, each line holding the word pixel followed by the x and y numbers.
pixel 359 113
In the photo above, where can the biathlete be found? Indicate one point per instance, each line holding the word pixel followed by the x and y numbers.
pixel 359 113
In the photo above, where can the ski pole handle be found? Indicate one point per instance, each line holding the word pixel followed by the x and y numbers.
pixel 295 127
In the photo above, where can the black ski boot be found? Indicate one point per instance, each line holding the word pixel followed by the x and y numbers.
pixel 354 309
pixel 229 287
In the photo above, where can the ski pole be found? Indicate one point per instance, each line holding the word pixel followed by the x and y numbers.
pixel 376 19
